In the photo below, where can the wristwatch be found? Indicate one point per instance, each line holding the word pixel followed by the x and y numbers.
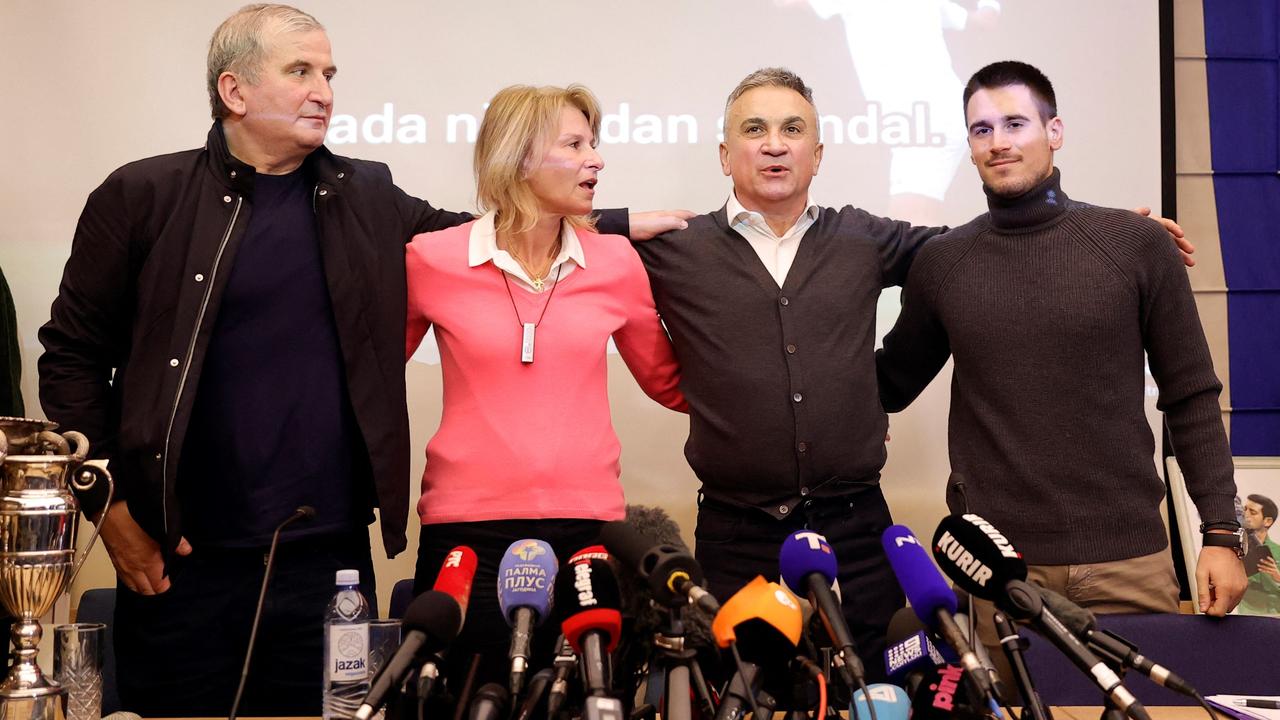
pixel 1233 539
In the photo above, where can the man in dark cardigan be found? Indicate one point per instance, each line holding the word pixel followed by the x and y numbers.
pixel 1049 307
pixel 770 302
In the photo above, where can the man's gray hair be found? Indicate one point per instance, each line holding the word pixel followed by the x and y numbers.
pixel 770 77
pixel 241 42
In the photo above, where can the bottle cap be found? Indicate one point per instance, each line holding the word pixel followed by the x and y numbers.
pixel 348 577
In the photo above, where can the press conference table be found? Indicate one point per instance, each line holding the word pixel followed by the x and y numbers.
pixel 1193 712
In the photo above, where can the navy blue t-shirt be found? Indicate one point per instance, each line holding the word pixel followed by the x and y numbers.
pixel 272 427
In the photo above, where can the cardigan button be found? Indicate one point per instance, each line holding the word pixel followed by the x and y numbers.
pixel 173 362
pixel 783 509
pixel 797 397
pixel 802 446
pixel 784 301
pixel 791 349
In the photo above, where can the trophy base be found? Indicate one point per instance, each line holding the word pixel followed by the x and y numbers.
pixel 46 703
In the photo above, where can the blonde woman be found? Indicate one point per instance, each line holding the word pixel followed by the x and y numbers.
pixel 523 301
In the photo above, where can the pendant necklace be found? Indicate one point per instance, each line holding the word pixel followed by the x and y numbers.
pixel 528 328
pixel 537 281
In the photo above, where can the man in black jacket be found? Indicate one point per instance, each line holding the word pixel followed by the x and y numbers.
pixel 229 331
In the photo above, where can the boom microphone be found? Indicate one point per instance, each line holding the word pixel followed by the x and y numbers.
pixel 934 603
pixel 526 583
pixel 1085 626
pixel 431 621
pixel 807 561
pixel 979 558
pixel 672 572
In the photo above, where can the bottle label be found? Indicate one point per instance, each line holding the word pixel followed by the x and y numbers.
pixel 348 652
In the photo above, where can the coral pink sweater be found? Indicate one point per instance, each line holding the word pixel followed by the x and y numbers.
pixel 531 440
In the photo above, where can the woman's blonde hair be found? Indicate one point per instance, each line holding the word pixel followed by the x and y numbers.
pixel 520 122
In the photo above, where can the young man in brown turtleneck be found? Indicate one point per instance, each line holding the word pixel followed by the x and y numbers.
pixel 1048 306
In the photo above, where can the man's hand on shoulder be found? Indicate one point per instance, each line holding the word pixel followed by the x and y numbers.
pixel 133 552
pixel 1220 580
pixel 648 225
pixel 1175 233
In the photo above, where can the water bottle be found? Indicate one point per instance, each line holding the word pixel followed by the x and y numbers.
pixel 346 648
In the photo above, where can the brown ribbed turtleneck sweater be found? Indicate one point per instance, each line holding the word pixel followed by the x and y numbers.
pixel 1047 306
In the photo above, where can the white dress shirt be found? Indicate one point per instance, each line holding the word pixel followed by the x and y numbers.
pixel 483 248
pixel 776 252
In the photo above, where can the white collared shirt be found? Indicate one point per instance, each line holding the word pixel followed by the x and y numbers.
pixel 776 252
pixel 483 248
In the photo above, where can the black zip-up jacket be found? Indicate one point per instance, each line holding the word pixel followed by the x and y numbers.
pixel 140 293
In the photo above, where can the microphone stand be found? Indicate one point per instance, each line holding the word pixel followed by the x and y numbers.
pixel 1109 709
pixel 1033 707
pixel 307 512
pixel 678 665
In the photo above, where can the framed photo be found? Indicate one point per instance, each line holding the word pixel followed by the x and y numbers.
pixel 1257 494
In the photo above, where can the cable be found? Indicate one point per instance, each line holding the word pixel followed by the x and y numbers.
pixel 822 697
pixel 1200 699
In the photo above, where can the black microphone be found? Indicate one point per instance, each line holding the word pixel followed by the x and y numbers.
pixel 538 685
pixel 489 703
pixel 1085 626
pixel 672 572
pixel 305 512
pixel 432 621
pixel 587 593
pixel 563 666
pixel 982 561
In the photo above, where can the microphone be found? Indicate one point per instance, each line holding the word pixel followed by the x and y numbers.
pixel 974 554
pixel 762 622
pixel 934 603
pixel 526 580
pixel 942 695
pixel 537 686
pixel 914 654
pixel 489 703
pixel 588 593
pixel 807 561
pixel 887 702
pixel 672 572
pixel 563 665
pixel 304 512
pixel 454 579
pixel 431 622
pixel 1084 625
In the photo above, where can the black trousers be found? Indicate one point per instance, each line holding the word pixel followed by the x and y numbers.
pixel 486 632
pixel 736 544
pixel 180 653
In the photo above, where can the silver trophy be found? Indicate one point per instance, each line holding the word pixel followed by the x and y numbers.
pixel 38 521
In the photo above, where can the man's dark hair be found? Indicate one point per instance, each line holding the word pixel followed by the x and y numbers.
pixel 1268 505
pixel 1011 72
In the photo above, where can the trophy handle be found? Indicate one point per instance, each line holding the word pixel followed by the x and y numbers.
pixel 4 446
pixel 81 443
pixel 83 479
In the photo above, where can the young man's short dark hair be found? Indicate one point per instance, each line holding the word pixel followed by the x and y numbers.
pixel 1012 72
pixel 1268 505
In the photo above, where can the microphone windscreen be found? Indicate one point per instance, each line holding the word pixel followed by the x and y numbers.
pixel 916 652
pixel 626 543
pixel 526 578
pixel 587 594
pixel 942 695
pixel 456 574
pixel 803 553
pixel 976 556
pixel 760 600
pixel 435 614
pixel 890 702
pixel 591 552
pixel 921 583
pixel 1078 620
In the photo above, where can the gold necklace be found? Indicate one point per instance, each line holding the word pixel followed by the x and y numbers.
pixel 538 280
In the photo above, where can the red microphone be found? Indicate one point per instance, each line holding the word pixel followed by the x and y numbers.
pixel 456 574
